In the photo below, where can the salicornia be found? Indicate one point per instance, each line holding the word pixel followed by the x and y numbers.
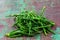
pixel 29 23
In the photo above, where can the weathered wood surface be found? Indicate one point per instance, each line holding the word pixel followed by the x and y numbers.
pixel 8 7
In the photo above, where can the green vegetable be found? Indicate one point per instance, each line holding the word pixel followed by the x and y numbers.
pixel 14 33
pixel 29 23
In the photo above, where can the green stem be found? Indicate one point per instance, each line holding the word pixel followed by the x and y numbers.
pixel 42 11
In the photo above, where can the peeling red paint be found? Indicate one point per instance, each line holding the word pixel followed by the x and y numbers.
pixel 32 38
pixel 1 27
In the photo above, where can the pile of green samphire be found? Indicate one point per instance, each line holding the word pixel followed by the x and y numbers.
pixel 29 23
